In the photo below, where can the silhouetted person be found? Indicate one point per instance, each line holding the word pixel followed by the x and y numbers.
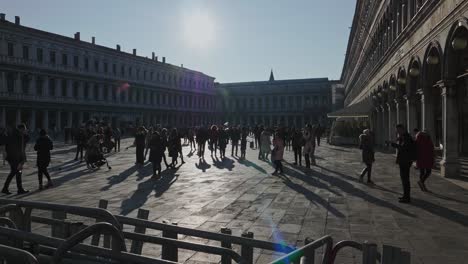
pixel 43 147
pixel 15 144
pixel 366 144
pixel 117 136
pixel 81 140
pixel 140 139
pixel 156 153
pixel 244 135
pixel 277 153
pixel 405 157
pixel 235 137
pixel 297 143
pixel 425 159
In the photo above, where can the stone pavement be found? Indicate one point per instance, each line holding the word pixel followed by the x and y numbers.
pixel 244 196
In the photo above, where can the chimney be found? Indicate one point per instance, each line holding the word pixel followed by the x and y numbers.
pixel 118 47
pixel 152 55
pixel 77 36
pixel 93 40
pixel 17 20
pixel 156 58
pixel 164 60
pixel 134 52
pixel 2 16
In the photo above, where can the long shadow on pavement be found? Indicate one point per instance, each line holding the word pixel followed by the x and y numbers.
pixel 249 163
pixel 118 178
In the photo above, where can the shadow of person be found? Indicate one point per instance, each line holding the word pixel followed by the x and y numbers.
pixel 225 163
pixel 118 178
pixel 138 198
pixel 167 179
pixel 440 196
pixel 441 211
pixel 202 165
pixel 248 163
pixel 190 154
pixel 144 171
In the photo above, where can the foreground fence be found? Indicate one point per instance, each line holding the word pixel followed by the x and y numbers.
pixel 105 238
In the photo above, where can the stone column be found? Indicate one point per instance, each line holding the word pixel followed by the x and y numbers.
pixel 69 119
pixel 58 121
pixel 449 166
pixel 391 120
pixel 32 122
pixel 410 113
pixel 385 129
pixel 18 116
pixel 3 117
pixel 45 119
pixel 400 107
pixel 32 85
pixel 427 111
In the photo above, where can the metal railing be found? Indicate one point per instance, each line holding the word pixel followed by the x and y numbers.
pixel 15 255
pixel 68 238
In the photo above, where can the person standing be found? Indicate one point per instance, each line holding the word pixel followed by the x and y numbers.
pixel 43 147
pixel 244 135
pixel 257 133
pixel 366 144
pixel 405 157
pixel 202 136
pixel 80 143
pixel 309 146
pixel 235 137
pixel 179 147
pixel 265 145
pixel 277 153
pixel 222 142
pixel 140 140
pixel 191 139
pixel 425 157
pixel 14 146
pixel 117 136
pixel 213 139
pixel 156 153
pixel 173 147
pixel 318 133
pixel 164 145
pixel 297 143
pixel 149 134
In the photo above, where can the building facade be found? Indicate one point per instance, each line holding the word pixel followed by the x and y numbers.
pixel 52 81
pixel 290 103
pixel 409 59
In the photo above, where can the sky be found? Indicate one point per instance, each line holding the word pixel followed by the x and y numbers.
pixel 231 40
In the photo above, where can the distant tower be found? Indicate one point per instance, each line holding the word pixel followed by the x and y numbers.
pixel 272 78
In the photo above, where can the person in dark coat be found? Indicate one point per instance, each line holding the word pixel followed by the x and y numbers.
pixel 213 139
pixel 15 144
pixel 235 137
pixel 366 144
pixel 404 160
pixel 222 142
pixel 202 137
pixel 156 153
pixel 173 147
pixel 140 139
pixel 164 145
pixel 297 143
pixel 81 140
pixel 43 147
pixel 425 161
pixel 244 135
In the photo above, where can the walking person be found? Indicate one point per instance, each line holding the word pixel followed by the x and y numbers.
pixel 318 133
pixel 149 134
pixel 265 145
pixel 202 136
pixel 156 153
pixel 179 147
pixel 277 152
pixel 43 147
pixel 140 140
pixel 14 146
pixel 309 146
pixel 405 156
pixel 222 142
pixel 297 143
pixel 191 139
pixel 80 143
pixel 257 133
pixel 425 157
pixel 164 145
pixel 244 135
pixel 213 139
pixel 366 144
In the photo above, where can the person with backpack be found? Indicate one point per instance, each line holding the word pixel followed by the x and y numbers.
pixel 406 154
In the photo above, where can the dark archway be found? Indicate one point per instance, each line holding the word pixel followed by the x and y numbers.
pixel 413 85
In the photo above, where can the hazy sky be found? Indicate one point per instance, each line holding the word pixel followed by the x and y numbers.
pixel 232 40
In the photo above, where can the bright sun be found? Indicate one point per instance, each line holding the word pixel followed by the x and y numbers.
pixel 199 29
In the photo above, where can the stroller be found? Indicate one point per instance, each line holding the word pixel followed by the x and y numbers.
pixel 94 157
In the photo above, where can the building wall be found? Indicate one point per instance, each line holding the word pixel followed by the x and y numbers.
pixel 410 57
pixel 277 102
pixel 50 80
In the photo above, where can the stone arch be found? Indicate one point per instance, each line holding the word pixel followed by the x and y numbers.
pixel 401 82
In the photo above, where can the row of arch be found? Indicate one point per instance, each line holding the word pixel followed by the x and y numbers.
pixel 430 91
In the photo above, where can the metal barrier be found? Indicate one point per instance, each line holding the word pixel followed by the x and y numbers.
pixel 68 238
pixel 15 255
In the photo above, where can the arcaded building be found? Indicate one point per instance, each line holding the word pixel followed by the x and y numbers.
pixel 407 62
pixel 53 81
pixel 292 102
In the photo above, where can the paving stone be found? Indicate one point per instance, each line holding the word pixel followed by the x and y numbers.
pixel 242 195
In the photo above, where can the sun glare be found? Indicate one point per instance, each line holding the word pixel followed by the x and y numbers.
pixel 199 29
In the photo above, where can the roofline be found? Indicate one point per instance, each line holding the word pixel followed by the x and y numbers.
pixel 325 79
pixel 73 41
